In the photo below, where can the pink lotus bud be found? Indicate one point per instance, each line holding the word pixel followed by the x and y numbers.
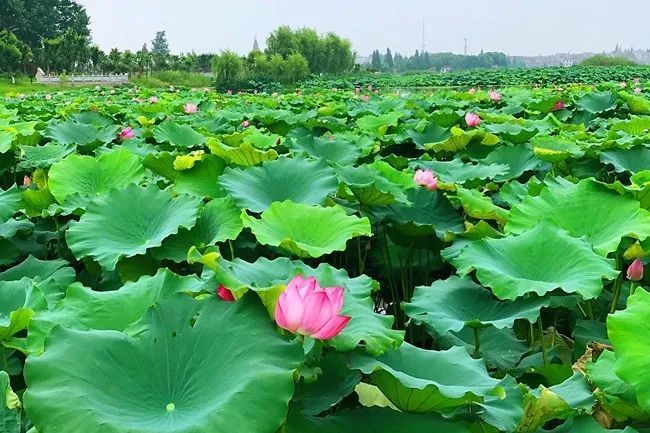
pixel 559 105
pixel 637 90
pixel 306 309
pixel 472 120
pixel 126 134
pixel 495 96
pixel 190 108
pixel 245 124
pixel 225 294
pixel 427 179
pixel 153 99
pixel 635 271
pixel 27 181
pixel 471 91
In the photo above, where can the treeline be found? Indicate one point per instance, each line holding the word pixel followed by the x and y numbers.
pixel 423 61
pixel 290 56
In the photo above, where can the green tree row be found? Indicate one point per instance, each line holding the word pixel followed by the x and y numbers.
pixel 425 61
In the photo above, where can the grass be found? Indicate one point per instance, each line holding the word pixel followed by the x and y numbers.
pixel 173 78
pixel 24 86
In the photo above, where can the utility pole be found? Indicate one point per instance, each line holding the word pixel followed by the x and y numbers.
pixel 465 46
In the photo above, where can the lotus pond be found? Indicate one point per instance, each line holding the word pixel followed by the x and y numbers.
pixel 325 262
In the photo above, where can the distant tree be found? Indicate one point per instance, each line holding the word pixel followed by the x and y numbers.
pixel 603 60
pixel 143 60
pixel 375 63
pixel 311 46
pixel 34 21
pixel 13 53
pixel 282 41
pixel 160 50
pixel 96 57
pixel 388 60
pixel 204 62
pixel 69 52
pixel 338 54
pixel 229 70
pixel 296 68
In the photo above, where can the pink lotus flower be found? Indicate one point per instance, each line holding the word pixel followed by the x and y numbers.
pixel 126 134
pixel 27 181
pixel 635 271
pixel 471 91
pixel 225 294
pixel 370 87
pixel 495 96
pixel 637 90
pixel 229 92
pixel 153 99
pixel 190 108
pixel 559 105
pixel 305 308
pixel 427 179
pixel 472 120
pixel 622 84
pixel 357 89
pixel 245 124
pixel 365 98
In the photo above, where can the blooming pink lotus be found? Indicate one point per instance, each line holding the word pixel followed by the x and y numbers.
pixel 638 90
pixel 622 84
pixel 27 181
pixel 225 293
pixel 245 124
pixel 635 271
pixel 559 105
pixel 427 179
pixel 365 98
pixel 471 91
pixel 126 134
pixel 190 108
pixel 472 120
pixel 153 99
pixel 307 309
pixel 495 96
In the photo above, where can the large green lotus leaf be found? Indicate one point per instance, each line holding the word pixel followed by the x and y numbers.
pixel 43 156
pixel 218 221
pixel 85 175
pixel 84 308
pixel 298 180
pixel 460 139
pixel 597 102
pixel 431 133
pixel 517 159
pixel 633 126
pixel 373 420
pixel 587 209
pixel 199 180
pixel 422 381
pixel 330 148
pixel 127 222
pixel 456 171
pixel 637 104
pixel 370 187
pixel 570 398
pixel 182 136
pixel 555 149
pixel 378 124
pixel 512 132
pixel 304 230
pixel 476 205
pixel 9 203
pixel 425 209
pixel 633 160
pixel 52 276
pixel 12 226
pixel 81 134
pixel 540 260
pixel 628 331
pixel 269 277
pixel 18 302
pixel 6 139
pixel 10 407
pixel 452 304
pixel 587 424
pixel 162 377
pixel 24 133
pixel 335 382
pixel 244 155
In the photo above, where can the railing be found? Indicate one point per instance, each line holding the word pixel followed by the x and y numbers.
pixel 83 79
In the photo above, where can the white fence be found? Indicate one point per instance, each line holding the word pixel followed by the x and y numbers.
pixel 83 79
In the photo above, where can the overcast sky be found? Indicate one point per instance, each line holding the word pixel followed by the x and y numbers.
pixel 526 27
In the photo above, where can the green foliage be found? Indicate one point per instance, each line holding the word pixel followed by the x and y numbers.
pixel 13 53
pixel 603 60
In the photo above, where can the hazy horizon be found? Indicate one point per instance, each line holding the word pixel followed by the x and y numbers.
pixel 514 27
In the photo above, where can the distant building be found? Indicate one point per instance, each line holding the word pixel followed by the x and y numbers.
pixel 445 69
pixel 256 46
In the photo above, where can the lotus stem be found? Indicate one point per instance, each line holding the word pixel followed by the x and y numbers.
pixel 617 287
pixel 477 344
pixel 542 342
